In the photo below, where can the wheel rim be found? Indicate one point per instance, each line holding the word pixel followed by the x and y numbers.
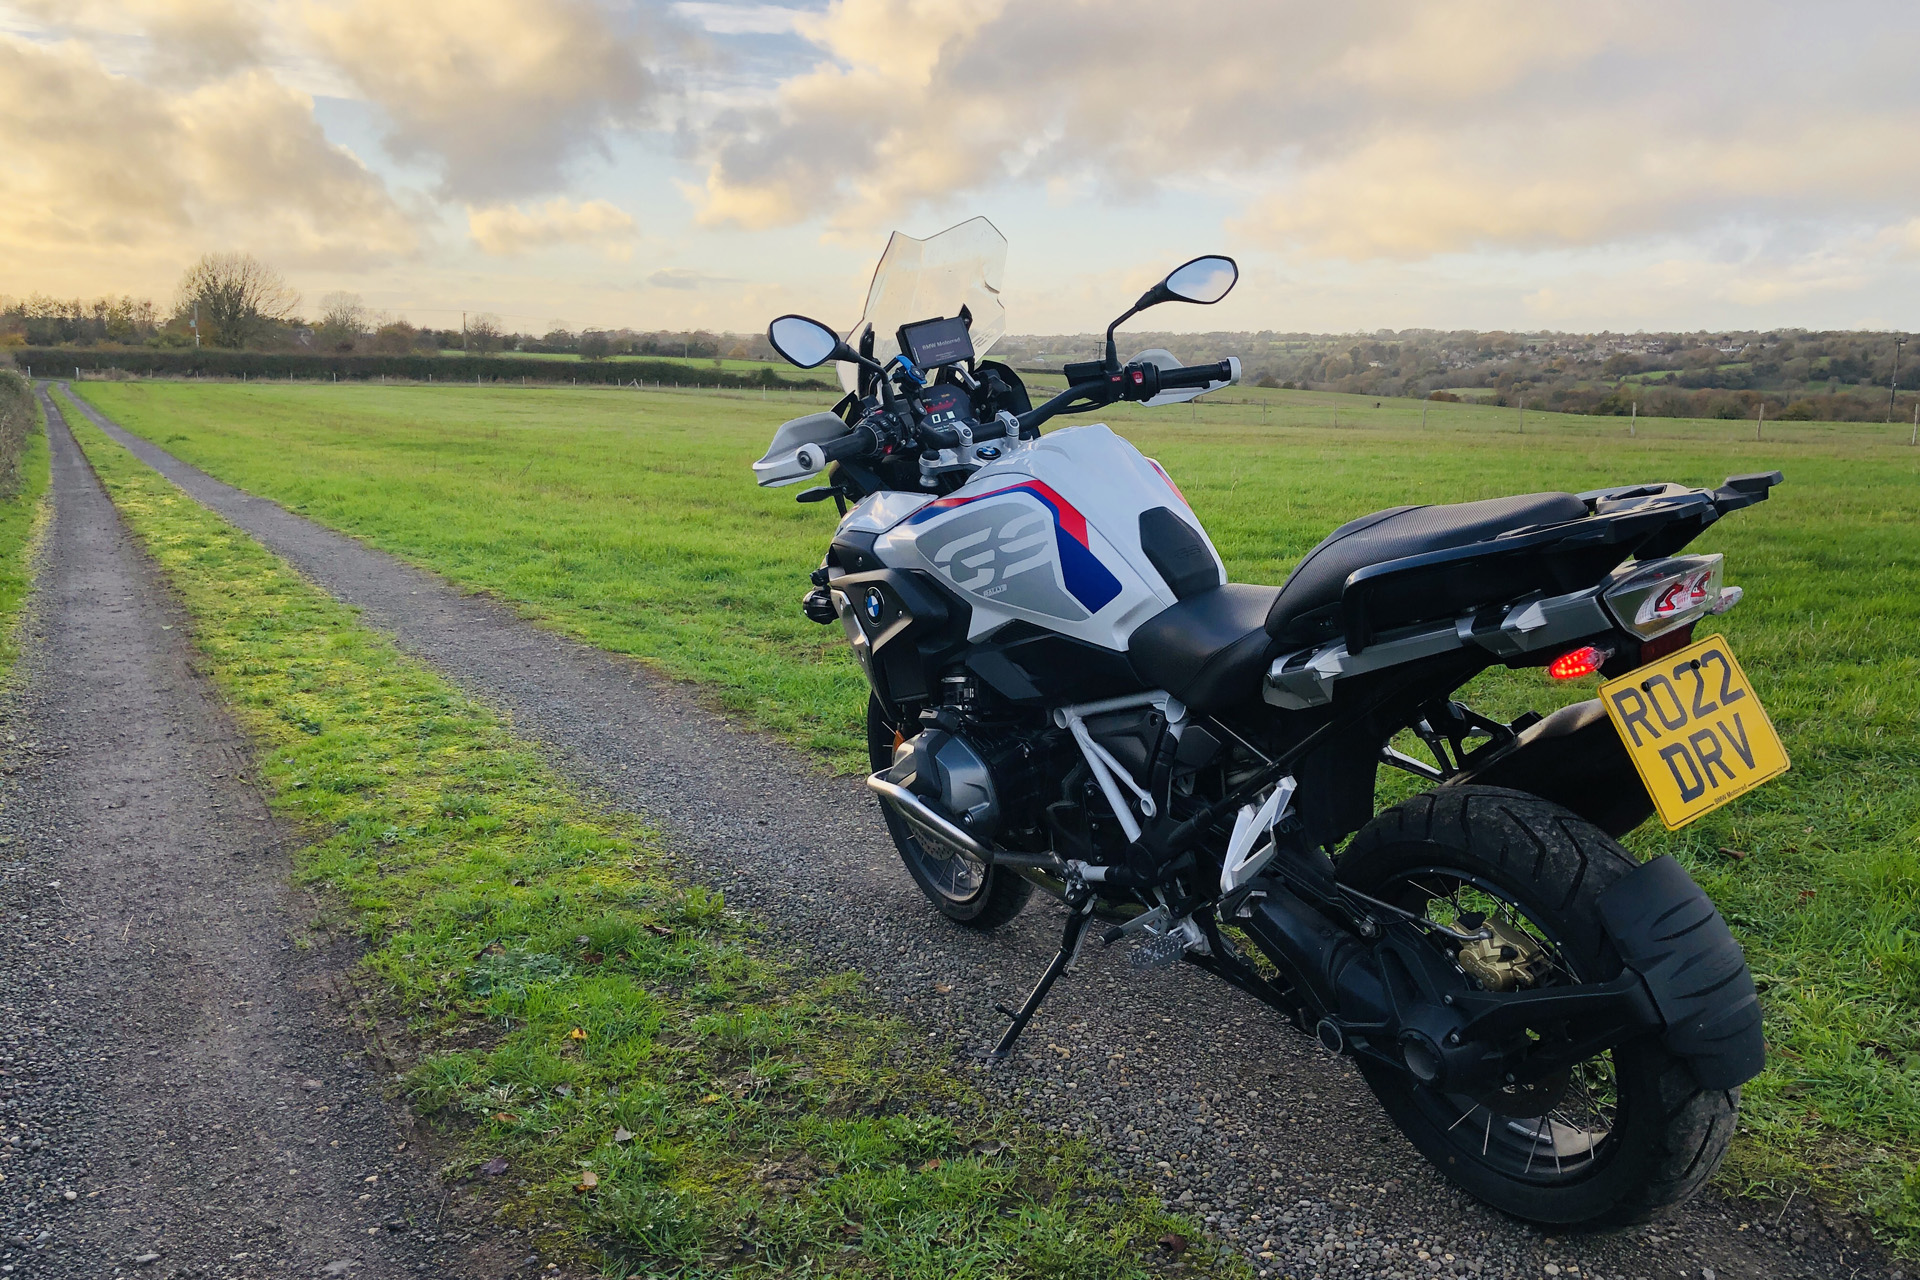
pixel 1545 1136
pixel 948 870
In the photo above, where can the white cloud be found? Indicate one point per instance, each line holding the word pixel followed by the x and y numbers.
pixel 110 177
pixel 510 230
pixel 172 40
pixel 502 96
pixel 1383 129
pixel 685 278
pixel 741 19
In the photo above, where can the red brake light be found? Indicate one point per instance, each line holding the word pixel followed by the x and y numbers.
pixel 1575 663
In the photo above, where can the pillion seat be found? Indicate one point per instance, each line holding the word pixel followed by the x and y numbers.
pixel 1211 648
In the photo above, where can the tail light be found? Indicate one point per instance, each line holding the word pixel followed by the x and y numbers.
pixel 1651 598
pixel 1574 663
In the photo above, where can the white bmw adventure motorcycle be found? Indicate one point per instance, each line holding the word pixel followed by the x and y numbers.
pixel 1068 694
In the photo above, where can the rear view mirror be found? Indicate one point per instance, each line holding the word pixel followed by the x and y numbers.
pixel 1204 280
pixel 805 342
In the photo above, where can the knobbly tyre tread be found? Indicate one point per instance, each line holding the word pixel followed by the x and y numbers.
pixel 1555 860
pixel 1005 894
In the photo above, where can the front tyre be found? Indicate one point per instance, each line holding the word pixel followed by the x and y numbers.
pixel 1623 1136
pixel 965 889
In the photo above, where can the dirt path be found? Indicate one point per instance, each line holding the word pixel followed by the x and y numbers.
pixel 1201 1091
pixel 181 1090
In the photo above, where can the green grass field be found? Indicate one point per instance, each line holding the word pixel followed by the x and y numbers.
pixel 609 1030
pixel 630 520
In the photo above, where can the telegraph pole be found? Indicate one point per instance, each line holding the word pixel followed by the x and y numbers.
pixel 1893 383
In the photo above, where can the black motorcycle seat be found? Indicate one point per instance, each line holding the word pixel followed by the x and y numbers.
pixel 1307 610
pixel 1210 649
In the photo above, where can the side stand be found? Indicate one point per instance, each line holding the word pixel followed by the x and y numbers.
pixel 1076 931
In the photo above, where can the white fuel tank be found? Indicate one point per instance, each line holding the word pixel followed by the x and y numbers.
pixel 1050 533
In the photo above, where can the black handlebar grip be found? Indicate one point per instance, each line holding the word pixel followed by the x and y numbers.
pixel 815 457
pixel 1200 375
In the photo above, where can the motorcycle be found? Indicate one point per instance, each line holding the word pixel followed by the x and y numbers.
pixel 1067 694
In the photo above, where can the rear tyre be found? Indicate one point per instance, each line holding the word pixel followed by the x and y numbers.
pixel 966 890
pixel 1629 1133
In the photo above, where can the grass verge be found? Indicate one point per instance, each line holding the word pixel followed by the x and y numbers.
pixel 656 1088
pixel 23 507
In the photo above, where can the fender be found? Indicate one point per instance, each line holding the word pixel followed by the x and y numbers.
pixel 1667 930
pixel 1575 759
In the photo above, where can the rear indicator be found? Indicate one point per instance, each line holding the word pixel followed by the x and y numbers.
pixel 1575 663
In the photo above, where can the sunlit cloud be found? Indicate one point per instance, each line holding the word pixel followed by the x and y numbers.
pixel 741 19
pixel 508 229
pixel 101 169
pixel 501 96
pixel 1379 162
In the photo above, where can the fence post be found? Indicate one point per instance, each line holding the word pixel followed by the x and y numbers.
pixel 1762 420
pixel 1634 421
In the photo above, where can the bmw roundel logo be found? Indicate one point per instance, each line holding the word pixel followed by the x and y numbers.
pixel 876 603
pixel 988 451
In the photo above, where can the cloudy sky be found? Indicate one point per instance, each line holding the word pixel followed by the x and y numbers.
pixel 1375 163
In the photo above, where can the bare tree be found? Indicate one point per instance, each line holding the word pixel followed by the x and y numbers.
pixel 344 313
pixel 483 332
pixel 237 297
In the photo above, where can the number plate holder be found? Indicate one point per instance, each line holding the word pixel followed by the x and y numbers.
pixel 1695 730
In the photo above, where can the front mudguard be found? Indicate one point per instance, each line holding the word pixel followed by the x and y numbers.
pixel 1667 931
pixel 1575 759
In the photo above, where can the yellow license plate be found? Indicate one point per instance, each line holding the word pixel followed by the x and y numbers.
pixel 1695 729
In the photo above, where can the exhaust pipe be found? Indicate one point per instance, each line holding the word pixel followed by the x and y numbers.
pixel 929 823
pixel 925 819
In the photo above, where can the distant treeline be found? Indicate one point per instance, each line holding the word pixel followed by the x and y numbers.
pixel 1822 376
pixel 209 363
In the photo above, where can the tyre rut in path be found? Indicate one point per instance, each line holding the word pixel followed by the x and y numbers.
pixel 181 1089
pixel 1248 1116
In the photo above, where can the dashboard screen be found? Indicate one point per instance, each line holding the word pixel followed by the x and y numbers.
pixel 932 343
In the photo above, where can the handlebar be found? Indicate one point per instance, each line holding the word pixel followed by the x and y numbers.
pixel 815 457
pixel 1094 386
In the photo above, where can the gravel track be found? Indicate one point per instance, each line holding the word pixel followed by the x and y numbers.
pixel 1202 1092
pixel 182 1090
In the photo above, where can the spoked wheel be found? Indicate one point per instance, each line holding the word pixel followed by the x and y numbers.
pixel 964 888
pixel 1617 1138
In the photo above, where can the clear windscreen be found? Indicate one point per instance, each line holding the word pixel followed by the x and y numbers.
pixel 921 279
